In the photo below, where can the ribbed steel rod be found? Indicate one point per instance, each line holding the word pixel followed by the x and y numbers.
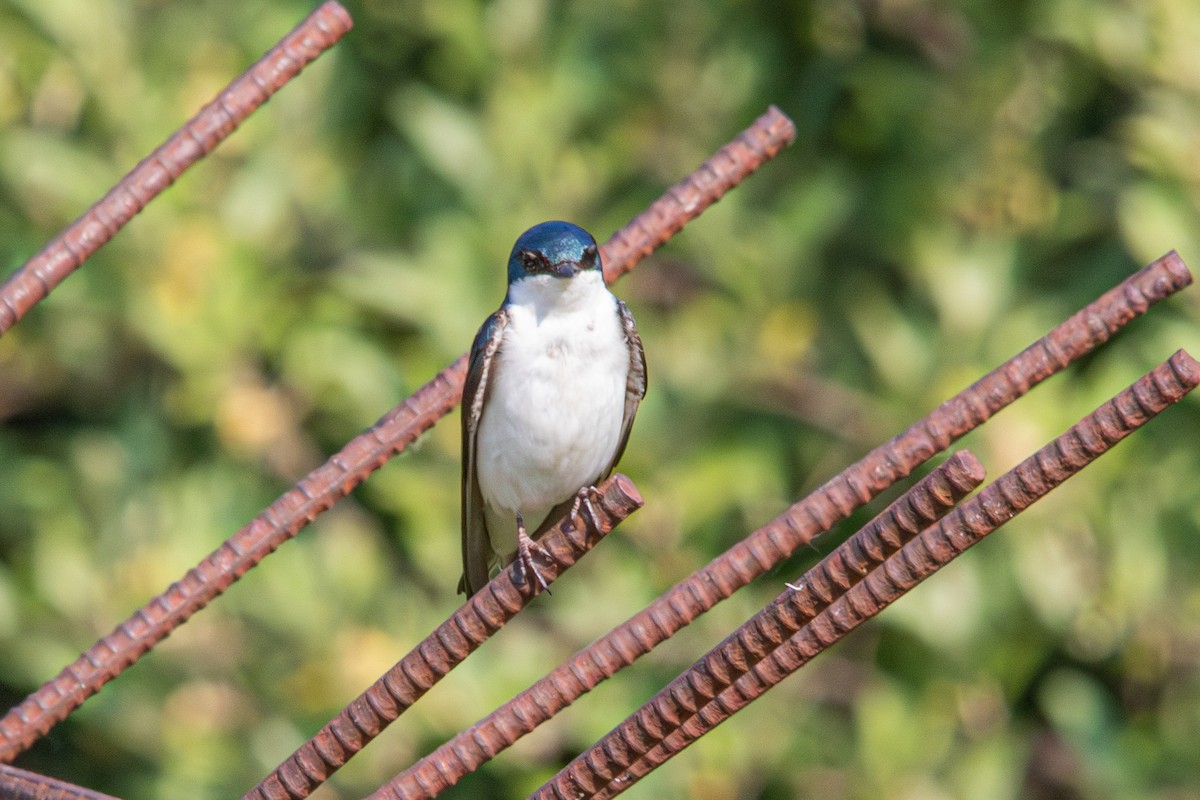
pixel 785 635
pixel 796 527
pixel 486 612
pixel 197 138
pixel 725 169
pixel 19 784
pixel 338 476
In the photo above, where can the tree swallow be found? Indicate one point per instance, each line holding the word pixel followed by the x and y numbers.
pixel 554 381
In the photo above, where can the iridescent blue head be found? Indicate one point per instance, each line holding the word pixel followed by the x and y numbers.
pixel 556 248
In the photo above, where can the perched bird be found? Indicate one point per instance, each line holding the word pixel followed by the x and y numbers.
pixel 554 381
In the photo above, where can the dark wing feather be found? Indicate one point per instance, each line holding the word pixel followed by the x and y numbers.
pixel 476 546
pixel 635 383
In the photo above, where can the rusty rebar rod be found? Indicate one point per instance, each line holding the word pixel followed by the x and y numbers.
pixel 486 612
pixel 786 635
pixel 771 544
pixel 914 511
pixel 20 784
pixel 67 251
pixel 725 169
pixel 341 473
pixel 919 507
pixel 318 491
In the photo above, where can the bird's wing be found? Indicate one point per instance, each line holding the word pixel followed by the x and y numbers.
pixel 635 382
pixel 476 546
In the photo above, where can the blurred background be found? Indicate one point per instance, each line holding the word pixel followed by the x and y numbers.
pixel 966 175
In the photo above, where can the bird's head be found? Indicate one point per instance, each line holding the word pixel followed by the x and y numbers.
pixel 557 249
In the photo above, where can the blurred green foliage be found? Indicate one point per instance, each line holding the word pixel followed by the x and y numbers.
pixel 965 176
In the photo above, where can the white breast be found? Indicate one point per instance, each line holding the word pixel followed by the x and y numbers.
pixel 552 419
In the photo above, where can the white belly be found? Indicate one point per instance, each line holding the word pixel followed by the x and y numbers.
pixel 552 419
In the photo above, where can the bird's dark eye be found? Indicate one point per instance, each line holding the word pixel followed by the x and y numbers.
pixel 589 256
pixel 529 259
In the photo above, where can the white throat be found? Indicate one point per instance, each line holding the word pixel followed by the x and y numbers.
pixel 546 295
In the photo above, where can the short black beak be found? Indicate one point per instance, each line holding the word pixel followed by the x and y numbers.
pixel 565 269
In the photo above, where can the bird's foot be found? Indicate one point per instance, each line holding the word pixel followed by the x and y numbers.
pixel 584 502
pixel 526 547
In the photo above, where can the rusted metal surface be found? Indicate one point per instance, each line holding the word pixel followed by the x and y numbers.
pixel 196 139
pixel 786 634
pixel 684 201
pixel 19 784
pixel 470 626
pixel 796 527
pixel 365 717
pixel 918 508
pixel 280 521
pixel 926 502
pixel 338 476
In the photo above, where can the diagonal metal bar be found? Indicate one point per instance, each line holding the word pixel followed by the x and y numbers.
pixel 197 138
pixel 341 473
pixel 914 511
pixel 917 509
pixel 53 701
pixel 486 612
pixel 20 784
pixel 771 544
pixel 787 634
pixel 667 215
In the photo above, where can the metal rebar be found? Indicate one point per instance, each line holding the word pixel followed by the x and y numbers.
pixel 338 476
pixel 796 527
pixel 785 635
pixel 926 502
pixel 467 628
pixel 725 169
pixel 67 251
pixel 53 701
pixel 20 784
pixel 918 508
